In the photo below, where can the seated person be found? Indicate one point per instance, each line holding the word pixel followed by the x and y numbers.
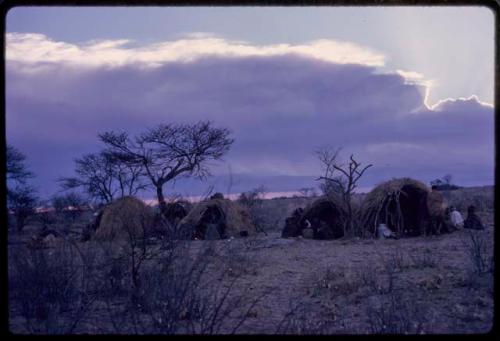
pixel 383 232
pixel 456 218
pixel 473 221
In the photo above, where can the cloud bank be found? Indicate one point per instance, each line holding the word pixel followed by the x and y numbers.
pixel 31 49
pixel 281 102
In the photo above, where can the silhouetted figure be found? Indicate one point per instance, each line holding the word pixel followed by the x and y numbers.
pixel 293 226
pixel 473 221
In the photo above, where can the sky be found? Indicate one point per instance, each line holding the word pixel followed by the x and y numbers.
pixel 407 89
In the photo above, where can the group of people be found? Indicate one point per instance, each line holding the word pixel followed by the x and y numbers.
pixel 456 222
pixel 471 222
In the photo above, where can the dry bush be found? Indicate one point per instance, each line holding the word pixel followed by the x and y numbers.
pixel 395 314
pixel 388 310
pixel 128 286
pixel 476 246
pixel 380 277
pixel 170 290
pixel 52 289
pixel 183 294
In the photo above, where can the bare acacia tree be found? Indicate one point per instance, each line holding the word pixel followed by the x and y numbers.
pixel 170 151
pixel 341 181
pixel 104 177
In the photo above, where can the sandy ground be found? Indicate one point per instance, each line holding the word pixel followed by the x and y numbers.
pixel 330 281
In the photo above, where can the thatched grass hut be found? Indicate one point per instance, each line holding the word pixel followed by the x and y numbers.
pixel 125 218
pixel 322 217
pixel 175 212
pixel 217 218
pixel 407 206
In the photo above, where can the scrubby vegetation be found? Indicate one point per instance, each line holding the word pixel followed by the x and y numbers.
pixel 258 284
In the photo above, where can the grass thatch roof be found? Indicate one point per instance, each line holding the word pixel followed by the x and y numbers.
pixel 319 202
pixel 124 218
pixel 237 217
pixel 375 204
pixel 393 186
pixel 436 204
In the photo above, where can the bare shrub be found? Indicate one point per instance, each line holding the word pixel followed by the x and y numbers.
pixel 477 249
pixel 382 279
pixel 168 289
pixel 340 181
pixel 51 288
pixel 182 294
pixel 395 314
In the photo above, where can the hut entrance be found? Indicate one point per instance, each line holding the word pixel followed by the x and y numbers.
pixel 217 219
pixel 324 220
pixel 212 224
pixel 406 206
pixel 322 217
pixel 404 211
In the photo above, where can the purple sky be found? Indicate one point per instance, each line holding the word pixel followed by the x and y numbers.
pixel 280 101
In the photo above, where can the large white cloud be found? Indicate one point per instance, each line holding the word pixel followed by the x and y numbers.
pixel 30 49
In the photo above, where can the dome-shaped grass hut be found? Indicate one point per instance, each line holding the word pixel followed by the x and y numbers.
pixel 176 211
pixel 125 218
pixel 408 207
pixel 322 217
pixel 217 218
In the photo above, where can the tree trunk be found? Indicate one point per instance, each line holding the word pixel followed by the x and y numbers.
pixel 161 199
pixel 347 201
